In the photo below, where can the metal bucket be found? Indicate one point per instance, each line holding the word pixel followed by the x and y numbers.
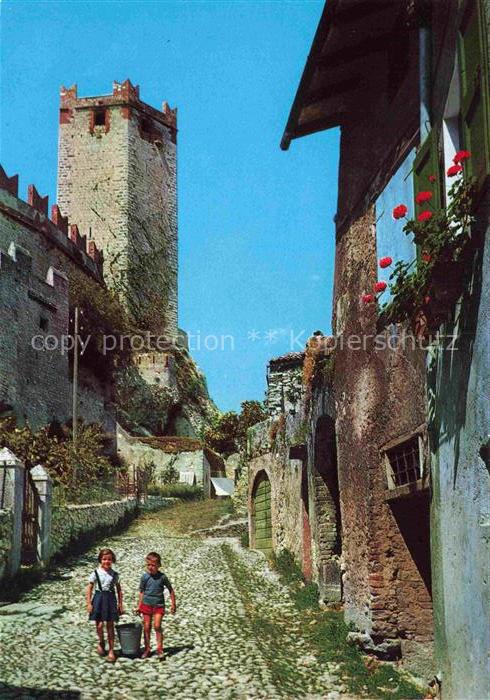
pixel 130 638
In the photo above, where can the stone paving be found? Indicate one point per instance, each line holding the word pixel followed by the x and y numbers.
pixel 214 648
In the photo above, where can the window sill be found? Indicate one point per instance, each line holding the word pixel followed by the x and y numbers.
pixel 416 488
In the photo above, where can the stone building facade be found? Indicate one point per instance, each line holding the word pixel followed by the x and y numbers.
pixel 117 177
pixel 413 476
pixel 194 462
pixel 293 498
pixel 275 474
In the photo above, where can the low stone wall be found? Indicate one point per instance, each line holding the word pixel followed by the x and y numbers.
pixel 5 540
pixel 234 528
pixel 158 502
pixel 72 524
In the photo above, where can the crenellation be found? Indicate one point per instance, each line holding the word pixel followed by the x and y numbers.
pixel 37 202
pixel 11 184
pixel 61 222
pixel 57 231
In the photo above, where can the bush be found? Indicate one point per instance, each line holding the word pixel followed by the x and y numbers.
pixel 184 491
pixel 97 493
pixel 169 475
pixel 100 314
pixel 52 447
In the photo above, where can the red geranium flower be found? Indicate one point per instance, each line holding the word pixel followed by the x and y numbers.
pixel 399 211
pixel 454 170
pixel 385 262
pixel 424 216
pixel 380 286
pixel 461 156
pixel 426 257
pixel 367 298
pixel 432 178
pixel 423 197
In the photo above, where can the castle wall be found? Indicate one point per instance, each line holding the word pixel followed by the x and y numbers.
pixel 157 368
pixel 33 382
pixel 326 524
pixel 34 304
pixel 93 181
pixel 153 222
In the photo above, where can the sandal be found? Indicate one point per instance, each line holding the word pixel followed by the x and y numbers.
pixel 146 654
pixel 111 657
pixel 160 652
pixel 100 650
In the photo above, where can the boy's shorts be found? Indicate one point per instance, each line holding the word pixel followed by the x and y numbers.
pixel 151 609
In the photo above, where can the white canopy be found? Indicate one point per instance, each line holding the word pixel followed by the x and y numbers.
pixel 223 487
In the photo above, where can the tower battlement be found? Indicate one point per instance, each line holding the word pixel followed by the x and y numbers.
pixel 124 95
pixel 117 178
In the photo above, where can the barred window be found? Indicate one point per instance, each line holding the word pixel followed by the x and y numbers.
pixel 404 462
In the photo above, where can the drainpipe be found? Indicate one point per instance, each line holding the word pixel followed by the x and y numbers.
pixel 424 80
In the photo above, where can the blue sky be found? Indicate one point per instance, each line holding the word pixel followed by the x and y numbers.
pixel 256 232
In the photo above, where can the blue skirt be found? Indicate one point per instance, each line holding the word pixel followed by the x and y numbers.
pixel 104 607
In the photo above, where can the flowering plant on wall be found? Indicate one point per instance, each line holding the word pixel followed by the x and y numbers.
pixel 423 290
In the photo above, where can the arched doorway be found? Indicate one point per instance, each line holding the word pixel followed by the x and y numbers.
pixel 261 514
pixel 327 508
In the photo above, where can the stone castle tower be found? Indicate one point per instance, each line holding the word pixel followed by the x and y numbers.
pixel 117 178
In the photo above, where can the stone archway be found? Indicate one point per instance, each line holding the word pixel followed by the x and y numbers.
pixel 327 508
pixel 261 514
pixel 307 563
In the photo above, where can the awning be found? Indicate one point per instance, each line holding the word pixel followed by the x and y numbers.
pixel 223 487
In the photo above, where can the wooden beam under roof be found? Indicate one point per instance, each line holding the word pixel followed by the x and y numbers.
pixel 311 127
pixel 348 32
pixel 328 89
pixel 347 54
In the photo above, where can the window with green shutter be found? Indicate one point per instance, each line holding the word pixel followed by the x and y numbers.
pixel 428 163
pixel 475 102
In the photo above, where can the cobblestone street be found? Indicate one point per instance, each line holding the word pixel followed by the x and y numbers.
pixel 216 645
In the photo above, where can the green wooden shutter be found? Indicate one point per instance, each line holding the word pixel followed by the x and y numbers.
pixel 475 99
pixel 427 162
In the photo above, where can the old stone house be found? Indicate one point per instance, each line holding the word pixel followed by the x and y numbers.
pixel 187 459
pixel 293 490
pixel 408 85
pixel 275 475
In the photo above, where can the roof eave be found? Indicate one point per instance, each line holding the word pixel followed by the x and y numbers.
pixel 316 48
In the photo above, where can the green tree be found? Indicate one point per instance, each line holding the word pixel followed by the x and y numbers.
pixel 228 433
